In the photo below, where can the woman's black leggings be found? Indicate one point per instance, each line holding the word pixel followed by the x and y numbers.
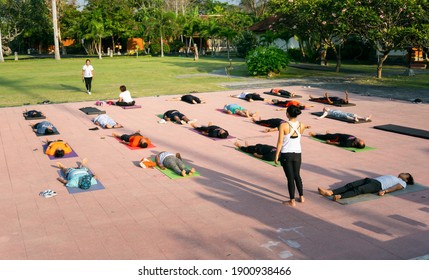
pixel 88 82
pixel 120 103
pixel 291 163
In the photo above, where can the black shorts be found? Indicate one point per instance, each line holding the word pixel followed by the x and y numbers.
pixel 172 113
pixel 190 98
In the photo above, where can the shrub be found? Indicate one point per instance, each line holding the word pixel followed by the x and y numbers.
pixel 295 55
pixel 266 60
pixel 155 48
pixel 245 42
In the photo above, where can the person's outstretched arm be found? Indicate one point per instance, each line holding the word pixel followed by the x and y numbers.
pixel 396 187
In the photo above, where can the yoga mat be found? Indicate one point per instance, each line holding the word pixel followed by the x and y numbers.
pixel 339 119
pixel 96 187
pixel 284 96
pixel 266 161
pixel 131 107
pixel 213 138
pixel 69 155
pixel 351 149
pixel 337 105
pixel 33 118
pixel 371 196
pixel 92 111
pixel 134 148
pixel 404 130
pixel 171 174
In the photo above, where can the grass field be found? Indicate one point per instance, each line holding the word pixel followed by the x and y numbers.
pixel 35 80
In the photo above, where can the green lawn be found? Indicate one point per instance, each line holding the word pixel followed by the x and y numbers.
pixel 35 80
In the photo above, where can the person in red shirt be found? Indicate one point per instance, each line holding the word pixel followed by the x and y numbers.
pixel 134 140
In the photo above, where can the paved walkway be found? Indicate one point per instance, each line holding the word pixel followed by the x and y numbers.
pixel 231 211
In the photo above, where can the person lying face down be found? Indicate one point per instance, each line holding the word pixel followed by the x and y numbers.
pixel 235 109
pixel 44 128
pixel 262 151
pixel 134 140
pixel 211 130
pixel 176 116
pixel 340 139
pixel 173 162
pixel 105 121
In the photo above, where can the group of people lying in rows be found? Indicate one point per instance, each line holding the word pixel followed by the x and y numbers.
pixel 174 162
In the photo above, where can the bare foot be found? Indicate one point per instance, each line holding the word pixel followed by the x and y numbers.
pixel 84 162
pixel 183 173
pixel 312 134
pixel 289 203
pixel 325 192
pixel 237 144
pixel 292 94
pixel 301 199
pixel 60 165
pixel 336 197
pixel 192 171
pixel 368 118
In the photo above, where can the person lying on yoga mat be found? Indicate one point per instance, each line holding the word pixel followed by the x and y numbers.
pixel 188 98
pixel 282 92
pixel 34 114
pixel 44 128
pixel 77 177
pixel 174 115
pixel 211 130
pixel 234 109
pixel 287 103
pixel 381 185
pixel 125 98
pixel 271 124
pixel 105 121
pixel 249 96
pixel 134 140
pixel 340 139
pixel 57 148
pixel 331 100
pixel 173 162
pixel 262 151
pixel 343 115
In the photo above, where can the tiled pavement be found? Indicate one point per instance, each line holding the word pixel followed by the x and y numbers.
pixel 231 211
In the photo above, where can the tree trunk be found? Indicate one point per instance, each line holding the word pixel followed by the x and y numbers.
pixel 380 64
pixel 55 22
pixel 113 44
pixel 1 49
pixel 338 56
pixel 162 46
pixel 99 49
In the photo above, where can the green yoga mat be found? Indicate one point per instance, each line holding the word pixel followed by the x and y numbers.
pixel 370 196
pixel 266 161
pixel 351 149
pixel 171 174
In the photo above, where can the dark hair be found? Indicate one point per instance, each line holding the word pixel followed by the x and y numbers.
pixel 410 180
pixel 293 111
pixel 49 131
pixel 358 145
pixel 123 88
pixel 59 153
pixel 223 134
pixel 88 60
pixel 143 144
pixel 301 107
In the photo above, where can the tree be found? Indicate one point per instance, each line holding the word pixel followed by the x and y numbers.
pixel 255 7
pixel 386 25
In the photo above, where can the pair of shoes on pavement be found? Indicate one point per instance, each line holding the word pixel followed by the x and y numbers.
pixel 48 193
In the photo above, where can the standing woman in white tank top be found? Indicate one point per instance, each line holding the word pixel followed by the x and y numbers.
pixel 289 153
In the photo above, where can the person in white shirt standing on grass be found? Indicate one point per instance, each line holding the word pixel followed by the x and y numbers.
pixel 88 75
pixel 125 97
